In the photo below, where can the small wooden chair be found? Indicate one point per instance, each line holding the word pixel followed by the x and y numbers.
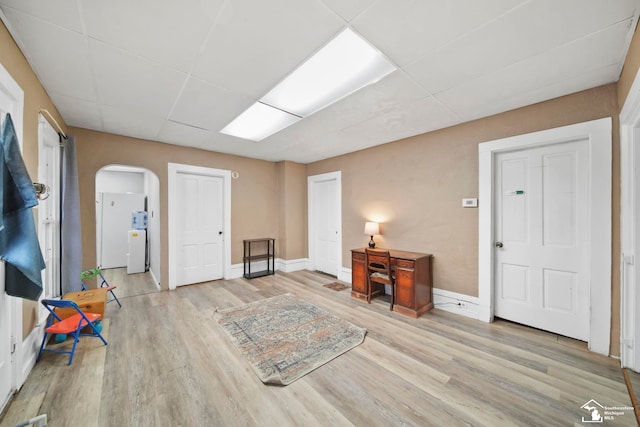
pixel 379 270
pixel 71 325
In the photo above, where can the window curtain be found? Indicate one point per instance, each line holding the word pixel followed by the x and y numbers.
pixel 70 231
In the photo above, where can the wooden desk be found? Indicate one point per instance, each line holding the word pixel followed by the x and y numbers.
pixel 414 280
pixel 89 301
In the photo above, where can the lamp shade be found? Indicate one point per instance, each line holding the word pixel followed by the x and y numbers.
pixel 371 228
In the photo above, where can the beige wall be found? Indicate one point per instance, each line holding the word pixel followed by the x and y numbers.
pixel 35 98
pixel 292 218
pixel 254 203
pixel 630 69
pixel 415 187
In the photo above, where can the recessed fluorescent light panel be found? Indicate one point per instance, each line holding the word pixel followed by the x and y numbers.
pixel 259 121
pixel 346 64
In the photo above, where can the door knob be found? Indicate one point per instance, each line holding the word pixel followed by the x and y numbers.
pixel 499 244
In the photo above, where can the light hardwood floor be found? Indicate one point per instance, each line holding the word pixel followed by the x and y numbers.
pixel 169 364
pixel 129 285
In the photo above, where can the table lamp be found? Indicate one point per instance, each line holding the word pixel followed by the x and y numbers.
pixel 371 229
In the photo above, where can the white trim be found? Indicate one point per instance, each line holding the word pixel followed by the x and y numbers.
pixel 14 92
pixel 155 279
pixel 311 182
pixel 173 170
pixel 346 275
pixel 291 265
pixel 456 303
pixel 629 232
pixel 30 347
pixel 284 265
pixel 598 133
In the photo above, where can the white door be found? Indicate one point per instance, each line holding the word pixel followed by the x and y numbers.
pixel 326 227
pixel 200 226
pixel 116 211
pixel 542 238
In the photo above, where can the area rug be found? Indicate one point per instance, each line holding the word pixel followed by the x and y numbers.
pixel 336 286
pixel 284 338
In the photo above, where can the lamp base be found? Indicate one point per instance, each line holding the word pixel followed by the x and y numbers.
pixel 372 244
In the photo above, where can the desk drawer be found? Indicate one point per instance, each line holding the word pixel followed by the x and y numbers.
pixel 355 256
pixel 405 263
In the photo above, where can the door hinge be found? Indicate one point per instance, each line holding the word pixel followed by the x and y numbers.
pixel 13 344
pixel 629 259
pixel 628 343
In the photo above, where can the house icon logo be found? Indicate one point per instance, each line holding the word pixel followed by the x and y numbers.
pixel 595 412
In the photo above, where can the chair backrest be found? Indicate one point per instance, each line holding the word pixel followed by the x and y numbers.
pixel 60 303
pixel 378 261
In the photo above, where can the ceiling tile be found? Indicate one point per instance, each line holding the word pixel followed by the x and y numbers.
pixel 406 30
pixel 78 113
pixel 133 82
pixel 523 32
pixel 206 106
pixel 569 63
pixel 60 12
pixel 348 9
pixel 254 45
pixel 167 31
pixel 384 97
pixel 408 119
pixel 180 134
pixel 62 64
pixel 122 121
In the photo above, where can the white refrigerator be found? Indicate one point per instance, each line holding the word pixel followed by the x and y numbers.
pixel 136 257
pixel 114 216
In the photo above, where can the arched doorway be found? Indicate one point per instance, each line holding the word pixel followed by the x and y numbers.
pixel 121 190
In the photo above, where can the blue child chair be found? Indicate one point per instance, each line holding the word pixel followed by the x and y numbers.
pixel 71 325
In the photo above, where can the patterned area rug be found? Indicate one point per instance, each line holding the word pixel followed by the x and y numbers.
pixel 336 286
pixel 284 338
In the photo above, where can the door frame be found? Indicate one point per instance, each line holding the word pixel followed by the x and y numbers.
pixel 49 141
pixel 173 170
pixel 312 181
pixel 19 365
pixel 598 135
pixel 629 232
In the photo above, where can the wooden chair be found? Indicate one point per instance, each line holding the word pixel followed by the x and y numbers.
pixel 379 271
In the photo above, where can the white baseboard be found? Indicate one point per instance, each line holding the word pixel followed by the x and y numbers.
pixel 155 280
pixel 345 275
pixel 29 352
pixel 291 265
pixel 454 302
pixel 284 265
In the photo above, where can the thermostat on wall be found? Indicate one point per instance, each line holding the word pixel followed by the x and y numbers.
pixel 469 203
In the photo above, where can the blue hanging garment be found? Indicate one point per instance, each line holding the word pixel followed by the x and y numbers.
pixel 19 246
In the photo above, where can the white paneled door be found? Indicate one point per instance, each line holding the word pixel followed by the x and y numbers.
pixel 326 227
pixel 542 274
pixel 199 228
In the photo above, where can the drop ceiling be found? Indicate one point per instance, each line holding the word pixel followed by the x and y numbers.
pixel 178 72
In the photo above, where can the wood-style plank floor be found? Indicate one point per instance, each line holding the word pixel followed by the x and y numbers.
pixel 169 364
